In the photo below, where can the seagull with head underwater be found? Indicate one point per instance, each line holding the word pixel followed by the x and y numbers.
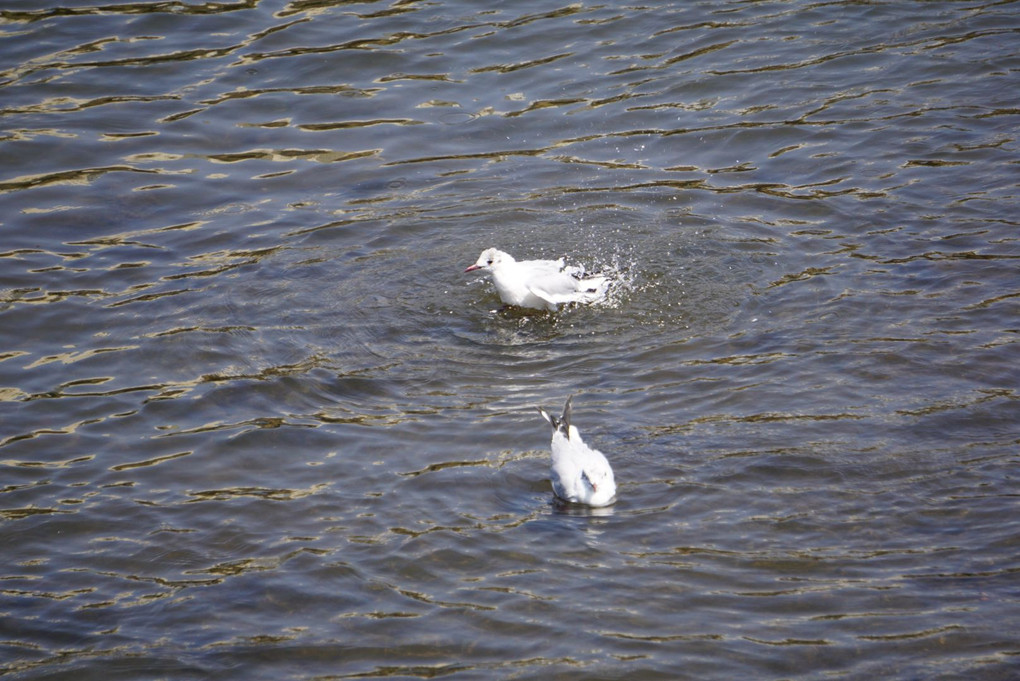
pixel 580 474
pixel 539 284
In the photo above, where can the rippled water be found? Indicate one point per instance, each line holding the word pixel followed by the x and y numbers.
pixel 256 422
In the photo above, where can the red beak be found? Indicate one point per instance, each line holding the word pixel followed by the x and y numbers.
pixel 473 268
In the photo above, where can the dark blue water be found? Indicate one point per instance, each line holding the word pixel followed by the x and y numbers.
pixel 256 422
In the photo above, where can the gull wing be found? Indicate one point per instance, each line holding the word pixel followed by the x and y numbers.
pixel 541 267
pixel 553 287
pixel 565 289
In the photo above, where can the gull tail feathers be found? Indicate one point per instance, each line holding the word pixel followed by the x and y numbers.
pixel 561 424
pixel 594 288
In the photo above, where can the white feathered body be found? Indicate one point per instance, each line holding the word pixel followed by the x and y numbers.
pixel 539 284
pixel 579 473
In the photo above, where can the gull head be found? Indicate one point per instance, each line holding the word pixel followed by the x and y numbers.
pixel 489 259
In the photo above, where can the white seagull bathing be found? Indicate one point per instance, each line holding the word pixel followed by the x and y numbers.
pixel 539 284
pixel 580 474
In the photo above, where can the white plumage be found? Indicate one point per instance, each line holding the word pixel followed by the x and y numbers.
pixel 580 474
pixel 539 284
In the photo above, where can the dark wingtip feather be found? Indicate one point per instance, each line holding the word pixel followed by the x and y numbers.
pixel 565 419
pixel 562 424
pixel 553 421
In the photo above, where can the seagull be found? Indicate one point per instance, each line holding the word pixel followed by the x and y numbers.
pixel 539 284
pixel 580 474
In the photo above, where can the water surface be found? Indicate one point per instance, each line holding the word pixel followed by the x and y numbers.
pixel 256 422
